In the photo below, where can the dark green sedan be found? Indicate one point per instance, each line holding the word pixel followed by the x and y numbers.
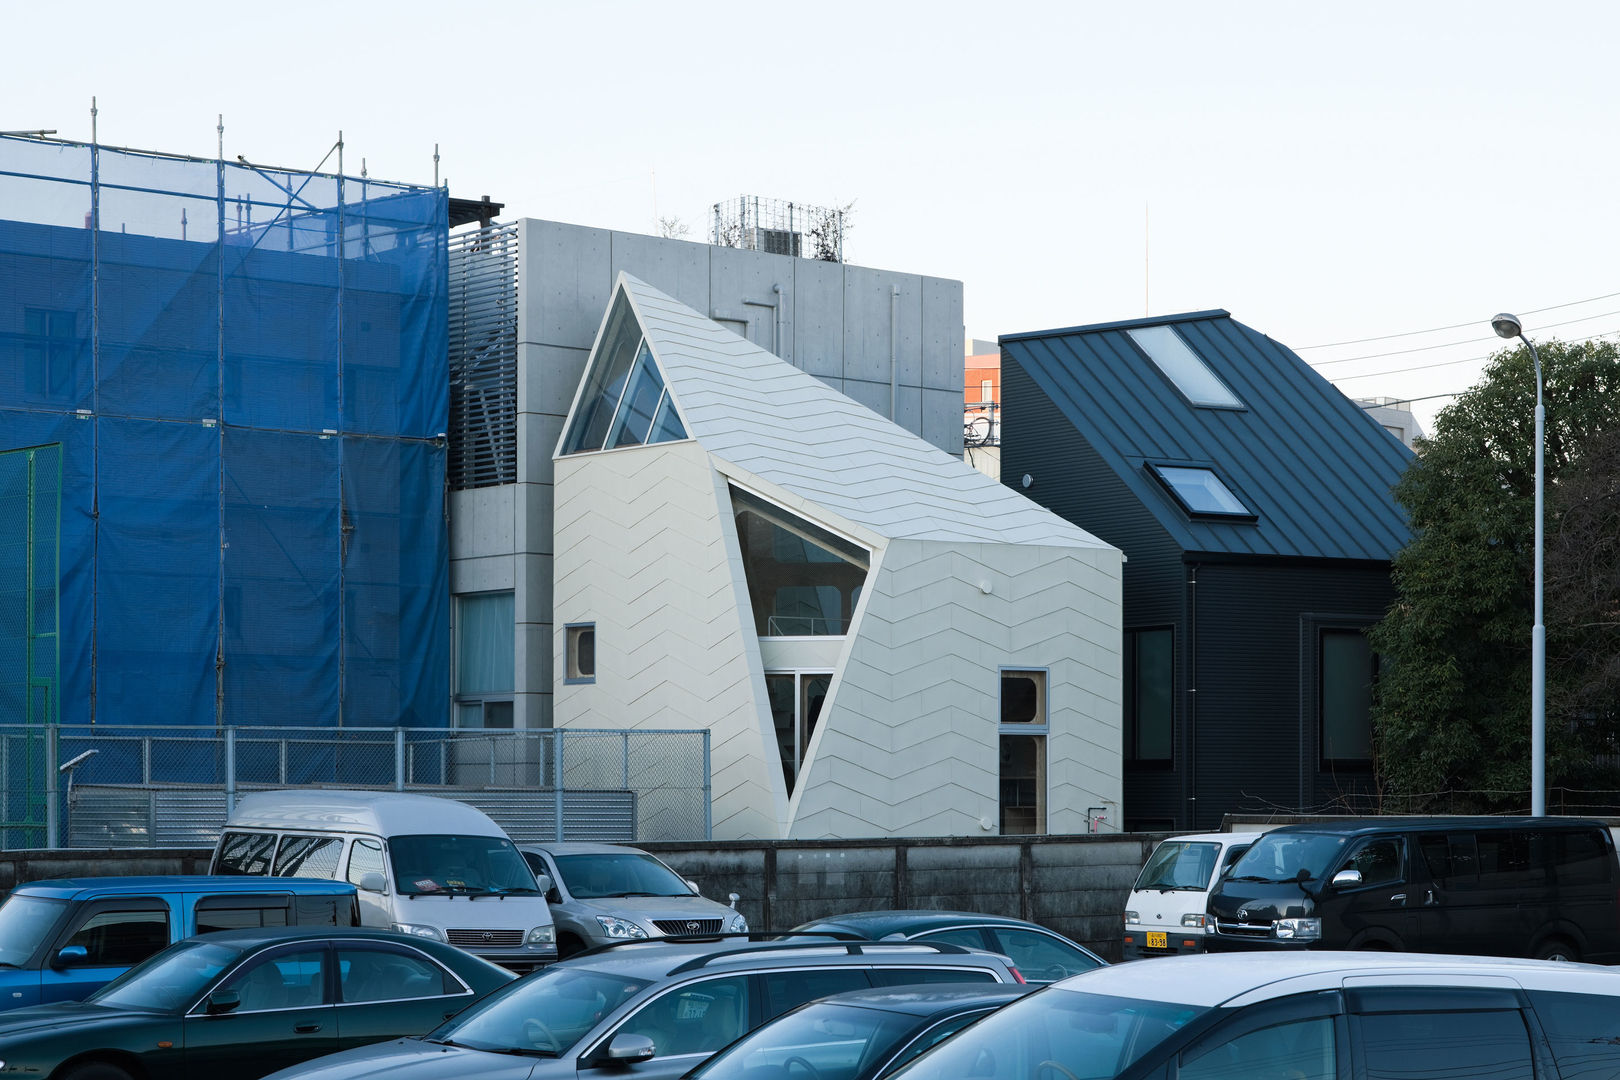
pixel 244 1003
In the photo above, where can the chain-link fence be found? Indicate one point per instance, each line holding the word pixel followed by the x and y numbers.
pixel 67 786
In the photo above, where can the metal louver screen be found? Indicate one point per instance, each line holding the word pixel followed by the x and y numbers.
pixel 483 357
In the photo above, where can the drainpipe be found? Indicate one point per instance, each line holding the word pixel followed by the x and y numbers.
pixel 780 345
pixel 1192 697
pixel 894 351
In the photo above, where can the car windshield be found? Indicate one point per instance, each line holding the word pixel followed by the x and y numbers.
pixel 24 923
pixel 1278 857
pixel 1178 865
pixel 542 1014
pixel 170 980
pixel 1091 1036
pixel 591 876
pixel 458 865
pixel 823 1040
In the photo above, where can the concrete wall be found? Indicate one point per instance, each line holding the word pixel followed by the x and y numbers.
pixel 1075 885
pixel 840 323
pixel 908 743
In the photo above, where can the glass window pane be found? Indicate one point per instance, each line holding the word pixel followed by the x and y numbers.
pixel 485 644
pixel 610 368
pixel 1421 1046
pixel 284 981
pixel 783 692
pixel 802 580
pixel 121 938
pixel 365 858
pixel 1183 367
pixel 1346 696
pixel 379 975
pixel 308 856
pixel 1200 490
pixel 634 418
pixel 667 426
pixel 1023 777
pixel 1021 701
pixel 1150 654
pixel 1584 1030
pixel 1303 1050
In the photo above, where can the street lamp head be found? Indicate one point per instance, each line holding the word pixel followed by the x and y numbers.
pixel 1507 326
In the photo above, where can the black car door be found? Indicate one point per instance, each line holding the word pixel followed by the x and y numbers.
pixel 283 1015
pixel 387 990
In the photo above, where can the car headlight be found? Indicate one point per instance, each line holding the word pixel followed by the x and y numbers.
pixel 620 929
pixel 1298 929
pixel 420 930
pixel 543 935
pixel 739 925
pixel 1194 919
pixel 1132 918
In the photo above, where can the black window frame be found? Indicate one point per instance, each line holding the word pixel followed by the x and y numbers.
pixel 1132 700
pixel 1323 630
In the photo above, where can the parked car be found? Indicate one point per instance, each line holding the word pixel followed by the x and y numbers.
pixel 860 1035
pixel 1165 913
pixel 433 867
pixel 63 938
pixel 1540 887
pixel 242 1003
pixel 1042 956
pixel 1299 1016
pixel 657 1008
pixel 602 893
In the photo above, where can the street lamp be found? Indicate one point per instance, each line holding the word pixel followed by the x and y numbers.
pixel 1508 326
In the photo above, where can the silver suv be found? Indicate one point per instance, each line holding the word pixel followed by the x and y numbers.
pixel 605 893
pixel 649 1009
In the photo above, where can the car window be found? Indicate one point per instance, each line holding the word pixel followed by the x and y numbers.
pixel 173 979
pixel 245 853
pixel 239 912
pixel 596 875
pixel 308 856
pixel 1301 1050
pixel 968 936
pixel 375 974
pixel 121 938
pixel 1041 956
pixel 822 1041
pixel 1584 1030
pixel 288 980
pixel 698 1017
pixel 936 1034
pixel 25 922
pixel 1379 861
pixel 785 990
pixel 571 1000
pixel 1421 1046
pixel 365 857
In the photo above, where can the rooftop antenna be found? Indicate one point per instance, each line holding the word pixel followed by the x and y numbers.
pixel 435 164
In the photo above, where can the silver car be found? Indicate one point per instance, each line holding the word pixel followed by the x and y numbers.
pixel 604 893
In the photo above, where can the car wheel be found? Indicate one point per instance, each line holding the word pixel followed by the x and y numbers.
pixel 1557 949
pixel 95 1070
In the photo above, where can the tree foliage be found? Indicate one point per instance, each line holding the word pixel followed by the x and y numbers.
pixel 1451 716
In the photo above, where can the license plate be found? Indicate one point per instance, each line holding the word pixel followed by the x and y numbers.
pixel 1158 940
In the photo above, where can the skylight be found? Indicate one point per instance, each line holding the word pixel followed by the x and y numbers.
pixel 1200 491
pixel 1183 367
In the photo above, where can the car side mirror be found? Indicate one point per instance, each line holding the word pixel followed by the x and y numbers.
pixel 372 881
pixel 543 883
pixel 1347 879
pixel 630 1047
pixel 734 898
pixel 71 956
pixel 223 1001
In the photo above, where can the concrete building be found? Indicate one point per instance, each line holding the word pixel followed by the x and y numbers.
pixel 882 640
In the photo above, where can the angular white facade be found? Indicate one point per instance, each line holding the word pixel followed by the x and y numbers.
pixel 882 641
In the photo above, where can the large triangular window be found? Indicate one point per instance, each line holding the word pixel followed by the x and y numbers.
pixel 625 401
pixel 803 581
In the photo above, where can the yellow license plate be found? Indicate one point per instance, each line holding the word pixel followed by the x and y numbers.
pixel 1158 940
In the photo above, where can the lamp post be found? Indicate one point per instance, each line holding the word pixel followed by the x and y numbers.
pixel 1508 326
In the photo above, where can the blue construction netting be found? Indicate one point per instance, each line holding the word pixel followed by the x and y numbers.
pixel 244 373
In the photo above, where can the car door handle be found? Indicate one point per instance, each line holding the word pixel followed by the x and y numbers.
pixel 1398 898
pixel 306 1029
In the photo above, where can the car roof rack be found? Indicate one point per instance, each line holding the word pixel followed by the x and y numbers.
pixel 851 948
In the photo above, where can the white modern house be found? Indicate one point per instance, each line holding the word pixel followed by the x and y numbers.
pixel 882 640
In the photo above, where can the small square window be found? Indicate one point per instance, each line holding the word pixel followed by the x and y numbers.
pixel 1200 491
pixel 582 653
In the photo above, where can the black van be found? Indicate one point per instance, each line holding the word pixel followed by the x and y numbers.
pixel 1540 887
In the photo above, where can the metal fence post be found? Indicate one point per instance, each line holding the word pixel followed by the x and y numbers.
pixel 708 789
pixel 557 780
pixel 399 759
pixel 53 827
pixel 230 769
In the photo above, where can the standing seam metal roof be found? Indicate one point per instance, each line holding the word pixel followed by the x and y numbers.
pixel 1315 468
pixel 759 412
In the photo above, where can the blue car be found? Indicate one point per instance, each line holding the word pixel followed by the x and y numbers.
pixel 62 939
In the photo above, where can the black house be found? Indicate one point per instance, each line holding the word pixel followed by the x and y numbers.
pixel 1252 501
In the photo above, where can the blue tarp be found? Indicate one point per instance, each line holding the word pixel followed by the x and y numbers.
pixel 246 373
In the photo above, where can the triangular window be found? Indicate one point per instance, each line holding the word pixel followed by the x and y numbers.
pixel 625 402
pixel 803 581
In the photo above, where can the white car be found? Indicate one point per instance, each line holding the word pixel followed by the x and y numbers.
pixel 1165 913
pixel 603 893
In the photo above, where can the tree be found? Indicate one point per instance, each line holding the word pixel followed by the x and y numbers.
pixel 1451 715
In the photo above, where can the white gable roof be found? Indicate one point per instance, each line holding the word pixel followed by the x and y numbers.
pixel 749 407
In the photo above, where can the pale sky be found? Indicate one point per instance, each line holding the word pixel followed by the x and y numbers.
pixel 1325 172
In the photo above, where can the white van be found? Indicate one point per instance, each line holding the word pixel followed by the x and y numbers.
pixel 422 865
pixel 1165 912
